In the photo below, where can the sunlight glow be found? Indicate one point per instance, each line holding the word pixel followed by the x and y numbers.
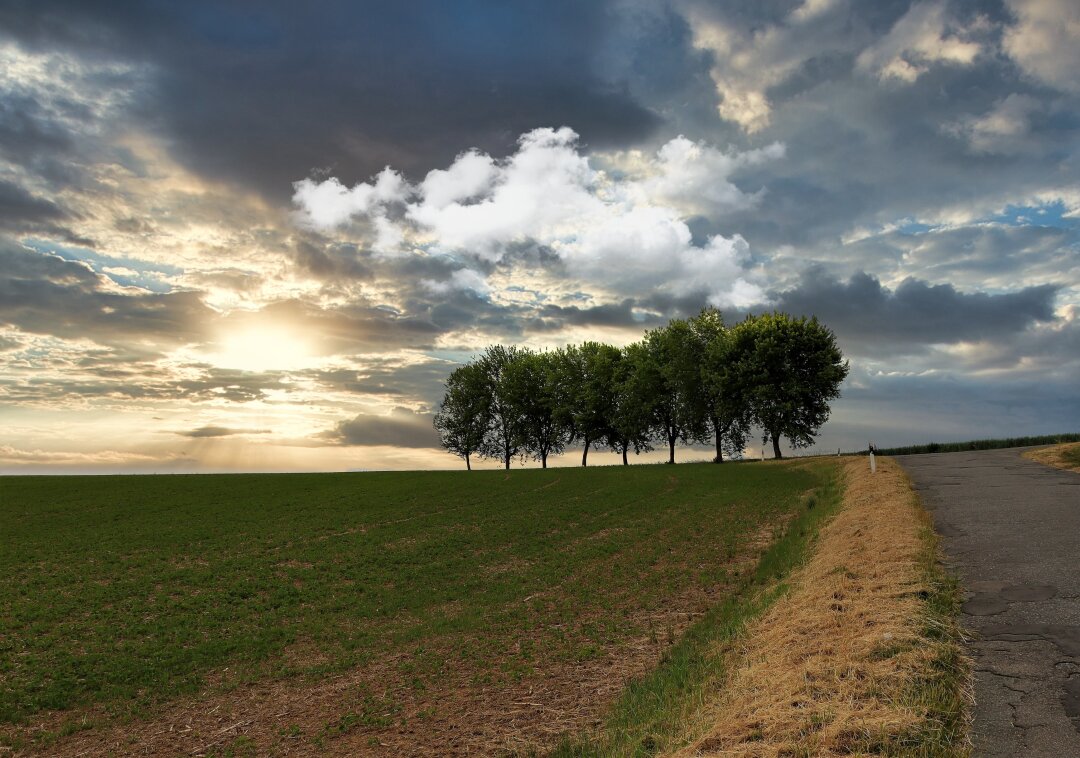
pixel 269 348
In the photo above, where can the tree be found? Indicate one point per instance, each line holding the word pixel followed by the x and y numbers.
pixel 502 441
pixel 588 392
pixel 631 426
pixel 788 369
pixel 464 415
pixel 532 392
pixel 673 369
pixel 722 403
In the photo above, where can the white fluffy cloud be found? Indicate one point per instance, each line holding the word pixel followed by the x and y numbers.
pixel 693 176
pixel 623 229
pixel 330 203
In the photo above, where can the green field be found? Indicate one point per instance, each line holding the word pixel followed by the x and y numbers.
pixel 123 593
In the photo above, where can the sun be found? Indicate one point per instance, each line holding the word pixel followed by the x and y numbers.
pixel 262 348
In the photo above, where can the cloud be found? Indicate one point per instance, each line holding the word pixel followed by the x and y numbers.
pixel 1045 41
pixel 463 279
pixel 873 319
pixel 219 431
pixel 621 229
pixel 751 56
pixel 980 256
pixel 19 208
pixel 329 203
pixel 694 176
pixel 1003 129
pixel 360 85
pixel 472 174
pixel 45 294
pixel 923 154
pixel 923 37
pixel 410 378
pixel 399 428
pixel 12 455
pixel 330 261
pixel 899 408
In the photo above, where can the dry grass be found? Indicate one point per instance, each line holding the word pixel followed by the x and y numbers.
pixel 1065 456
pixel 854 660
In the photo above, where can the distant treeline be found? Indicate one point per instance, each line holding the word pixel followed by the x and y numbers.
pixel 994 444
pixel 692 381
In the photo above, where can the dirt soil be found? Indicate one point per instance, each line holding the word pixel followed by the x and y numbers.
pixel 378 710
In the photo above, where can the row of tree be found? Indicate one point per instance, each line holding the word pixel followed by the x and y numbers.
pixel 693 381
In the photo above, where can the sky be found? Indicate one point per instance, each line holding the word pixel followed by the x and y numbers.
pixel 240 236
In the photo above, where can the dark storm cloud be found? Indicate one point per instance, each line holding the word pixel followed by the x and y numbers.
pixel 408 84
pixel 26 131
pixel 864 312
pixel 18 207
pixel 401 428
pixel 45 294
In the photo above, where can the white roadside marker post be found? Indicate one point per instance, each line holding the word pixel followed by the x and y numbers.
pixel 873 463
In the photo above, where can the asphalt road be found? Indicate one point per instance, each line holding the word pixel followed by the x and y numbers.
pixel 1011 529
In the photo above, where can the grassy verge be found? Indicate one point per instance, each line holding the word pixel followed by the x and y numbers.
pixel 654 715
pixel 1065 456
pixel 940 690
pixel 863 655
pixel 987 444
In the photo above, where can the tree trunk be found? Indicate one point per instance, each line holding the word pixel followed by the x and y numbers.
pixel 506 458
pixel 543 459
pixel 585 453
pixel 719 449
pixel 468 463
pixel 671 449
pixel 776 446
pixel 624 455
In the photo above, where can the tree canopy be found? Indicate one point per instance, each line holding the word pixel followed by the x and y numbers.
pixel 464 415
pixel 692 381
pixel 785 371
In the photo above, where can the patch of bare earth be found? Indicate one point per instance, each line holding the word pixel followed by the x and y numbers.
pixel 825 670
pixel 384 709
pixel 1059 456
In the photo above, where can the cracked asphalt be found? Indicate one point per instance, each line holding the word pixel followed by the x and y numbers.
pixel 1011 530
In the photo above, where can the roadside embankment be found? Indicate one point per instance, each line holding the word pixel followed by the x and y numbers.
pixel 863 654
pixel 1065 456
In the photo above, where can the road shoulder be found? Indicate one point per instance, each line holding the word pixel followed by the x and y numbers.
pixel 1066 456
pixel 863 654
